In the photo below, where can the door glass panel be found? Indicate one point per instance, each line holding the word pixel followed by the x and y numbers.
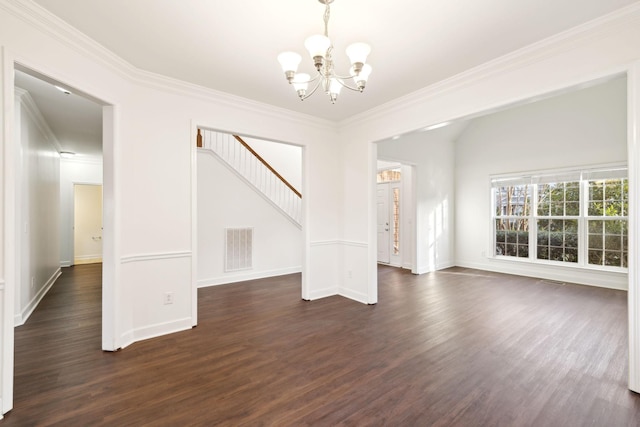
pixel 396 221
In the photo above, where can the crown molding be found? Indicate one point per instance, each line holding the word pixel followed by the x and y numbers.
pixel 180 87
pixel 30 107
pixel 40 18
pixel 551 46
pixel 92 160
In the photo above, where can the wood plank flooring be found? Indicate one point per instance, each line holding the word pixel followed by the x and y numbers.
pixel 453 348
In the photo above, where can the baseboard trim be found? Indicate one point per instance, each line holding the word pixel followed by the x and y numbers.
pixel 353 295
pixel 65 263
pixel 445 265
pixel 126 339
pixel 323 293
pixel 568 275
pixel 23 316
pixel 161 329
pixel 422 270
pixel 224 280
pixel 87 260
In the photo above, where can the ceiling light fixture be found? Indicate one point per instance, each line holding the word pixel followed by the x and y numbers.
pixel 63 90
pixel 437 126
pixel 321 50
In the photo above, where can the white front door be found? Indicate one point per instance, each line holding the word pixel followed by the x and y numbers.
pixel 383 222
pixel 394 229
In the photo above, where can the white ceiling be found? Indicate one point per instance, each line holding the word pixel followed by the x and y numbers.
pixel 231 46
pixel 75 120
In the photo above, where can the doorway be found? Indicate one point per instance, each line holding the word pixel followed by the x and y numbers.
pixel 389 220
pixel 87 224
pixel 15 213
pixel 264 178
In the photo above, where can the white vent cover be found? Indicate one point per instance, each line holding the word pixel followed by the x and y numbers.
pixel 238 249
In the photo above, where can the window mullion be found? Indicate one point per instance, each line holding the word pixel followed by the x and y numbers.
pixel 533 224
pixel 583 234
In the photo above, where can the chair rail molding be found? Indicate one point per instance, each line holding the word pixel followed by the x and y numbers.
pixel 125 259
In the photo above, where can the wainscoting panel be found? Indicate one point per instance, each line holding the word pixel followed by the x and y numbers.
pixel 355 271
pixel 323 277
pixel 156 282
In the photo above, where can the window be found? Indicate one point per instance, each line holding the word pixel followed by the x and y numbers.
pixel 388 175
pixel 513 206
pixel 557 221
pixel 575 217
pixel 607 222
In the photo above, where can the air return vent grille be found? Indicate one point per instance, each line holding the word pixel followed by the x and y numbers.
pixel 238 249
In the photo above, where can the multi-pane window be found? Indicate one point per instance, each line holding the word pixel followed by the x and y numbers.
pixel 513 206
pixel 577 217
pixel 607 222
pixel 558 212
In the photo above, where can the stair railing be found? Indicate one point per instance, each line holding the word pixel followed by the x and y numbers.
pixel 256 171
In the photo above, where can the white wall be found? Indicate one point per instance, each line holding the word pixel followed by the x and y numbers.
pixel 285 158
pixel 432 154
pixel 73 171
pixel 225 201
pixel 150 166
pixel 580 128
pixel 38 224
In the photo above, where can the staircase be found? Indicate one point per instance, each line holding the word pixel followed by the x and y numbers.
pixel 235 153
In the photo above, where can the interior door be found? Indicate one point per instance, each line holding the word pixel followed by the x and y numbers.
pixel 87 224
pixel 383 222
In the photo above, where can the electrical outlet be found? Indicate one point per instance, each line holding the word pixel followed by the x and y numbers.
pixel 168 298
pixel 349 274
pixel 33 282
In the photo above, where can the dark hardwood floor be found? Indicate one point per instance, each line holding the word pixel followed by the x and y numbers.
pixel 454 348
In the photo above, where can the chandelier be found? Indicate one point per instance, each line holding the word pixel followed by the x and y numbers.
pixel 321 51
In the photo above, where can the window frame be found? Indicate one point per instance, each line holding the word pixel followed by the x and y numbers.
pixel 537 178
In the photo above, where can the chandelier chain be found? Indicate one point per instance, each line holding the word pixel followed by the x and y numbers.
pixel 327 15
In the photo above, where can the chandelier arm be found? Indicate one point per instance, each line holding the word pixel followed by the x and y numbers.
pixel 342 77
pixel 343 84
pixel 314 89
pixel 313 79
